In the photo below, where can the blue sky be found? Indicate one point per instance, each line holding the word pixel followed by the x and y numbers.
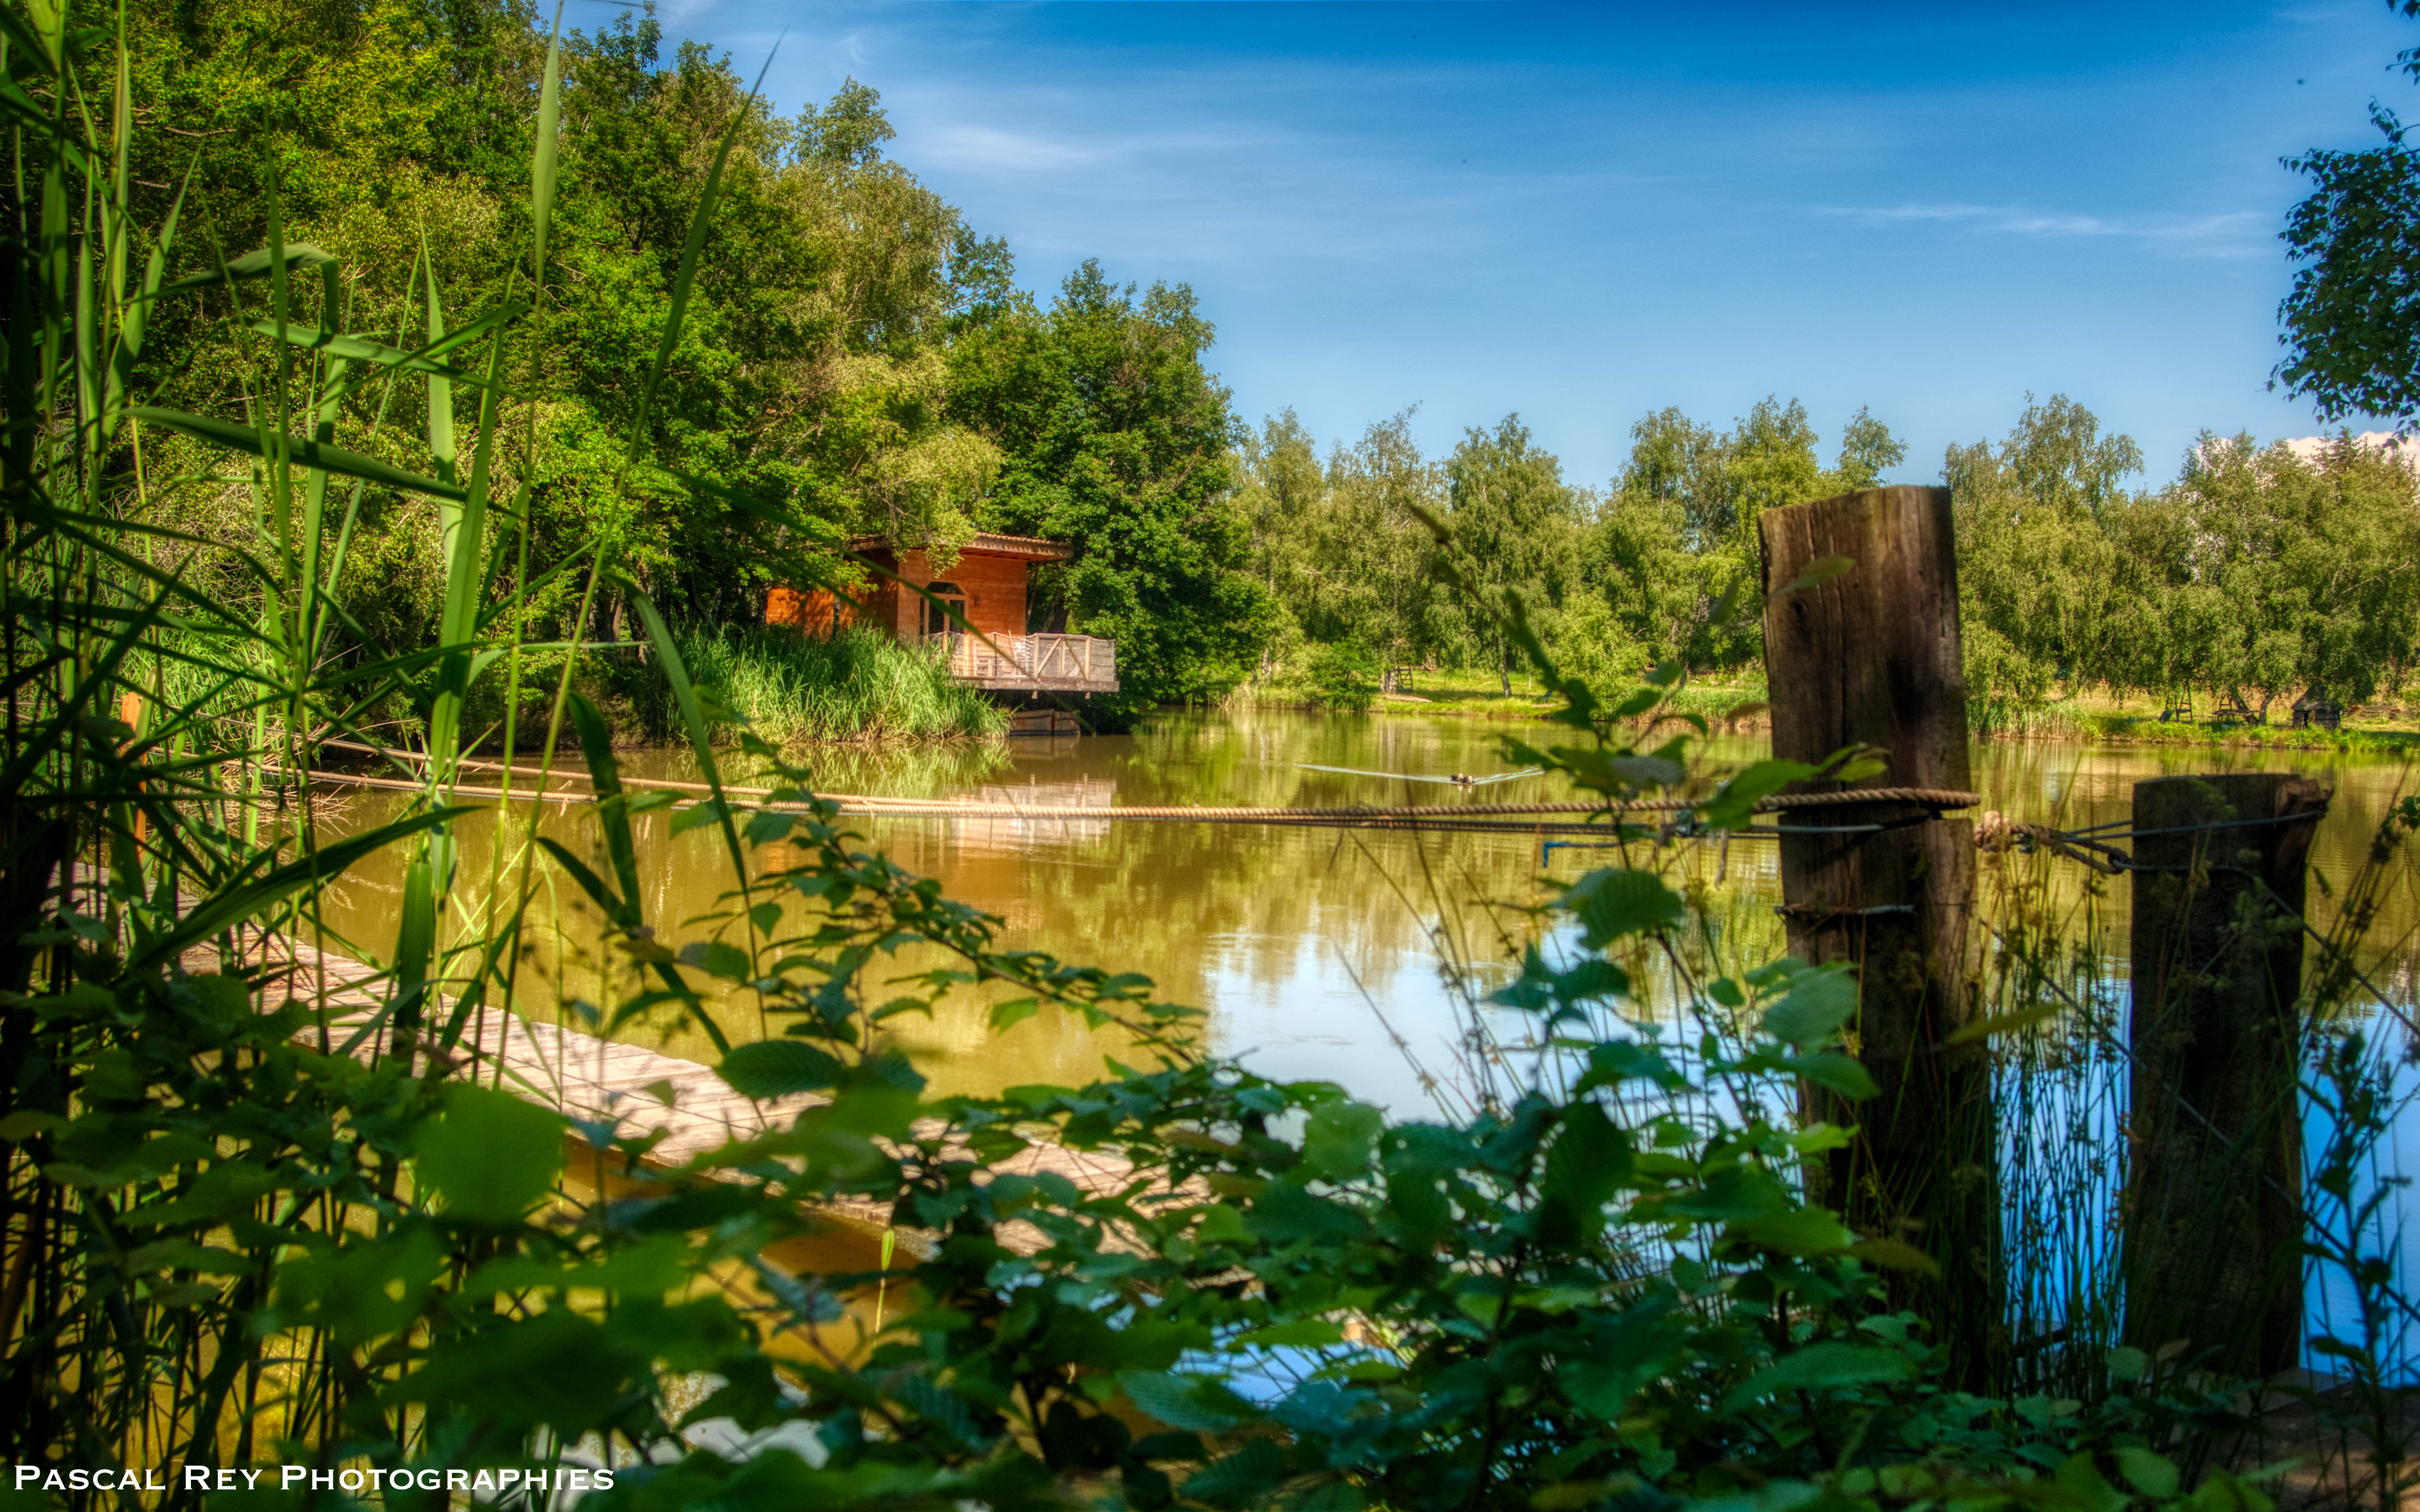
pixel 1586 212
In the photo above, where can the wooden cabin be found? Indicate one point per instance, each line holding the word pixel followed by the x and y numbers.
pixel 986 587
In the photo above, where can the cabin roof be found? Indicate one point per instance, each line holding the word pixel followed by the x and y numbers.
pixel 1025 547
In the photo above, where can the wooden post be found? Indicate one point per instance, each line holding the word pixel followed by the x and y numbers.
pixel 2215 1209
pixel 1872 656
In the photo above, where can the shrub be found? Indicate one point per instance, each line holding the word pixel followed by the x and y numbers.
pixel 1343 676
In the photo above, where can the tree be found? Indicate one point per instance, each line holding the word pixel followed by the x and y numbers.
pixel 1868 450
pixel 1115 440
pixel 2352 316
pixel 1373 531
pixel 395 133
pixel 2038 563
pixel 1281 488
pixel 1515 529
pixel 2257 572
pixel 1642 557
pixel 1678 532
pixel 1342 548
pixel 2312 564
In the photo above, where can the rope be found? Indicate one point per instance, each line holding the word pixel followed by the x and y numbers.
pixel 1432 816
pixel 1995 832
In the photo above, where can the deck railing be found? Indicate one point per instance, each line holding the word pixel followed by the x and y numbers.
pixel 1074 662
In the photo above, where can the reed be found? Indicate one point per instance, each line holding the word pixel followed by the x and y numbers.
pixel 160 865
pixel 856 686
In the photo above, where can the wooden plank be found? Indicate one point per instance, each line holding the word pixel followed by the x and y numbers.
pixel 595 1080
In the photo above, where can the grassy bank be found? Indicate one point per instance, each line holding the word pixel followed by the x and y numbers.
pixel 1482 695
pixel 2115 725
pixel 858 685
pixel 1478 692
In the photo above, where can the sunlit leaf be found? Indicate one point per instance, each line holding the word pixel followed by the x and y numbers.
pixel 779 1067
pixel 489 1156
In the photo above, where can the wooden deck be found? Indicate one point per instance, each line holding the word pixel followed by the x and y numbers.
pixel 608 1089
pixel 1032 663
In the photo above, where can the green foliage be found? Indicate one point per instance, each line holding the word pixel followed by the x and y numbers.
pixel 1344 676
pixel 488 1156
pixel 255 1222
pixel 2256 574
pixel 1677 534
pixel 857 685
pixel 2312 566
pixel 1342 548
pixel 2353 328
pixel 811 390
pixel 1515 529
pixel 1113 439
pixel 2041 521
pixel 2005 688
pixel 1612 583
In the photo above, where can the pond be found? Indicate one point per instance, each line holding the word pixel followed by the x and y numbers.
pixel 1316 953
pixel 1335 955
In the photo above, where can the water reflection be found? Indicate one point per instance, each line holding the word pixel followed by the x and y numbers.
pixel 1333 954
pixel 1317 952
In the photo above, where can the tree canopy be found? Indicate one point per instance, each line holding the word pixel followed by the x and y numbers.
pixel 1114 439
pixel 2255 574
pixel 2352 316
pixel 846 360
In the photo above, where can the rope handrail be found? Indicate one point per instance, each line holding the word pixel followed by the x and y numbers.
pixel 1996 832
pixel 875 806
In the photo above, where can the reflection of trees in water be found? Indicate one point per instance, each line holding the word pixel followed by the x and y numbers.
pixel 1174 900
pixel 2077 787
pixel 1243 909
pixel 924 769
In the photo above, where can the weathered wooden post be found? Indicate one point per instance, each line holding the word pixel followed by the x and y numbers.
pixel 2215 1209
pixel 1872 656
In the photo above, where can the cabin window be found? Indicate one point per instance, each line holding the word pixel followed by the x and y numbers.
pixel 936 621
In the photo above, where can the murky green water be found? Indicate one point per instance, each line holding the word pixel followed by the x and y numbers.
pixel 1316 952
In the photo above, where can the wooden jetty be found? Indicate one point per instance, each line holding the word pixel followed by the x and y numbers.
pixel 609 1089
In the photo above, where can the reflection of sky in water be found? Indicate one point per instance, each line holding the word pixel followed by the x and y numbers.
pixel 1299 941
pixel 1316 1017
pixel 2329 1299
pixel 2064 1153
pixel 1323 1019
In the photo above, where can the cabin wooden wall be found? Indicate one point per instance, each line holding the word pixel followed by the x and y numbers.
pixel 994 584
pixel 814 612
pixel 994 588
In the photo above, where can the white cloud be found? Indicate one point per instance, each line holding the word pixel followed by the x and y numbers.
pixel 995 149
pixel 2223 233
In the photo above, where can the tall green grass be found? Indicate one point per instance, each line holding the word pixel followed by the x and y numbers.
pixel 161 866
pixel 857 685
